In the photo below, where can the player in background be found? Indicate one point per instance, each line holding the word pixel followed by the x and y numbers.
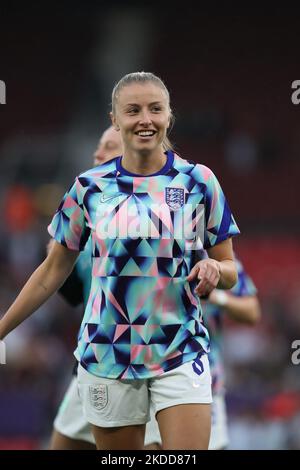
pixel 240 304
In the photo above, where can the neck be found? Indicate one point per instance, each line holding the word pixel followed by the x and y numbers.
pixel 144 163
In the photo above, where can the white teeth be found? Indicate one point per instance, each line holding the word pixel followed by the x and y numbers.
pixel 145 133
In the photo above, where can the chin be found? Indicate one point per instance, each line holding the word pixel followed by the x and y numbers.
pixel 147 147
pixel 144 151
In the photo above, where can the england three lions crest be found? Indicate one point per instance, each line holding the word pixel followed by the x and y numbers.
pixel 98 396
pixel 175 198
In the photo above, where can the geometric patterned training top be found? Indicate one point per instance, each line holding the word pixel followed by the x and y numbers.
pixel 142 317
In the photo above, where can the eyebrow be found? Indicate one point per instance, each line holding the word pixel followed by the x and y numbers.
pixel 150 104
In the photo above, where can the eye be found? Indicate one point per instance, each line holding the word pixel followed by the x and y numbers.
pixel 132 110
pixel 156 108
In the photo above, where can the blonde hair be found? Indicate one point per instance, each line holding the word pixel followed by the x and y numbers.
pixel 143 77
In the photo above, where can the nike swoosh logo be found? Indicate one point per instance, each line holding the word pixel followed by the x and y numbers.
pixel 196 385
pixel 109 197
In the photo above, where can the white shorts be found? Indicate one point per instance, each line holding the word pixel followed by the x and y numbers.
pixel 114 403
pixel 70 420
pixel 219 431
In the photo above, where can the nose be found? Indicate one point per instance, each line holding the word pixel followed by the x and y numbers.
pixel 145 118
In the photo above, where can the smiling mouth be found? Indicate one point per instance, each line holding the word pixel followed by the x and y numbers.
pixel 145 134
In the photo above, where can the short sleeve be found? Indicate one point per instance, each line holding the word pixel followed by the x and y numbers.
pixel 219 221
pixel 244 286
pixel 69 225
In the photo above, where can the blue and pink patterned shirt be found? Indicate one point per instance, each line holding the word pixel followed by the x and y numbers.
pixel 142 317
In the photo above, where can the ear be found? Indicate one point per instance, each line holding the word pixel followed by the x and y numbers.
pixel 114 122
pixel 171 120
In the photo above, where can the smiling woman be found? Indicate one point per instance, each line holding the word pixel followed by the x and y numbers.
pixel 141 108
pixel 142 337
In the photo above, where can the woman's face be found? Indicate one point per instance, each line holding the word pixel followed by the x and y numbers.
pixel 142 114
pixel 109 146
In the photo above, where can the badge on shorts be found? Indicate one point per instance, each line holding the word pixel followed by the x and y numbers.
pixel 98 396
pixel 175 198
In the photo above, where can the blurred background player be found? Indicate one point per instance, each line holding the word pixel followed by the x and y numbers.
pixel 71 430
pixel 240 304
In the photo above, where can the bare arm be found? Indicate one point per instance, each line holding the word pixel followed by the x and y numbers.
pixel 244 309
pixel 45 280
pixel 219 270
pixel 223 254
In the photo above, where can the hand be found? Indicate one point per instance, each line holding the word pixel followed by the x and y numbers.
pixel 208 272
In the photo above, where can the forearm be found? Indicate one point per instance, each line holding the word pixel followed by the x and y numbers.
pixel 222 253
pixel 216 270
pixel 243 309
pixel 45 280
pixel 228 274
